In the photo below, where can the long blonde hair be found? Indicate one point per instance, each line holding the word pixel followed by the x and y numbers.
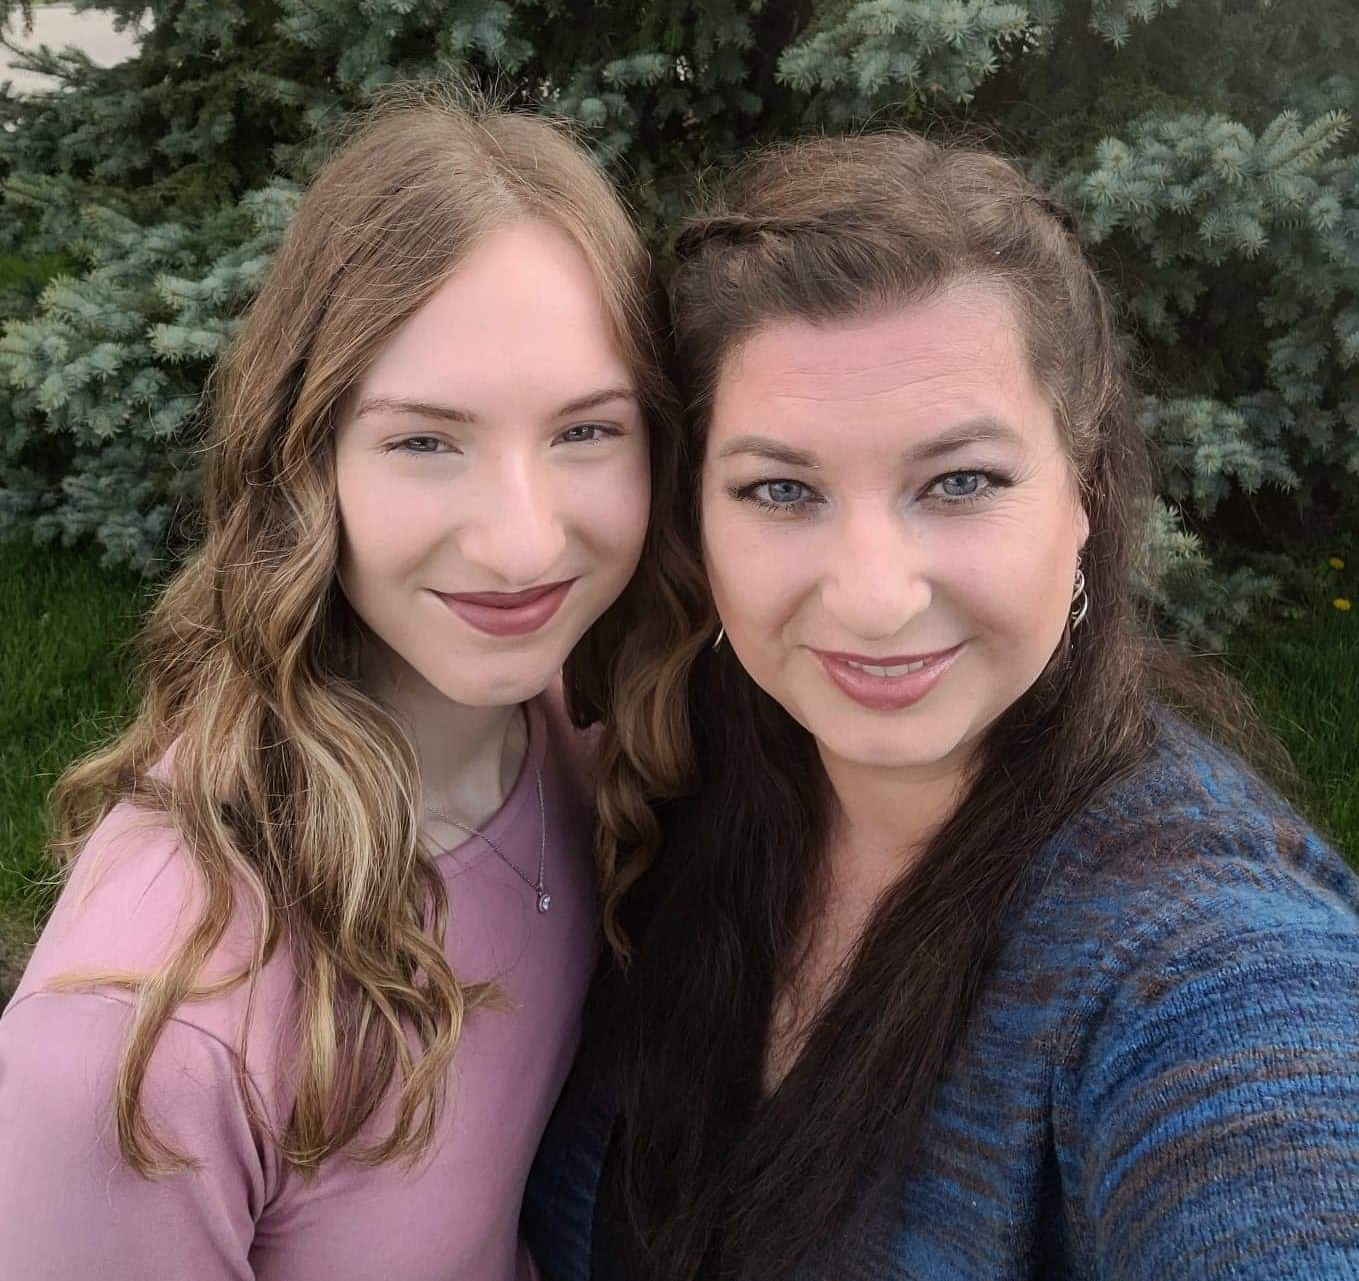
pixel 293 793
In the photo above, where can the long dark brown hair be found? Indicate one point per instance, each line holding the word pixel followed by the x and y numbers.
pixel 707 771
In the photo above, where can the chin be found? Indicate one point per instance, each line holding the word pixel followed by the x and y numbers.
pixel 896 756
pixel 498 688
pixel 899 746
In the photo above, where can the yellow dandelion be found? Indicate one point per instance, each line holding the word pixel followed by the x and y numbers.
pixel 1336 563
pixel 1342 604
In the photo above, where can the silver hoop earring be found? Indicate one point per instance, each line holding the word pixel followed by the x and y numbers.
pixel 1080 602
pixel 721 632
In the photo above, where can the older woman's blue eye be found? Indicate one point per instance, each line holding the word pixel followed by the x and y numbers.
pixel 962 484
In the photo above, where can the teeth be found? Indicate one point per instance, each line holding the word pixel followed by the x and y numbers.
pixel 905 669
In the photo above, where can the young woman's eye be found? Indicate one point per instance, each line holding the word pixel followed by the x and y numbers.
pixel 960 487
pixel 416 445
pixel 778 495
pixel 588 434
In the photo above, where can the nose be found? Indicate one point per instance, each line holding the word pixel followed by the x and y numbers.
pixel 877 579
pixel 511 522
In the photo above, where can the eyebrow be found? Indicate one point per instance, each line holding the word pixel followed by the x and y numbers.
pixel 453 414
pixel 974 431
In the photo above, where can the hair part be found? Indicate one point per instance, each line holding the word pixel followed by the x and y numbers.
pixel 716 1179
pixel 296 795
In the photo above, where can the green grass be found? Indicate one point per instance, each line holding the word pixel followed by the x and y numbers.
pixel 1304 676
pixel 65 683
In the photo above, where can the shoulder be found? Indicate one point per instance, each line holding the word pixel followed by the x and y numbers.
pixel 1192 868
pixel 127 897
pixel 132 896
pixel 1206 945
pixel 1194 837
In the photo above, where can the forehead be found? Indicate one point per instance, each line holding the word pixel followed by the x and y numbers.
pixel 918 367
pixel 522 312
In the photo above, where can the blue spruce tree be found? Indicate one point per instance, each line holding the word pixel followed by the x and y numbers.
pixel 1204 149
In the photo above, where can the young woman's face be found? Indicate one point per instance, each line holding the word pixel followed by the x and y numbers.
pixel 891 526
pixel 492 474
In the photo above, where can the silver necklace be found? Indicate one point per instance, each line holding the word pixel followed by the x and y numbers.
pixel 538 886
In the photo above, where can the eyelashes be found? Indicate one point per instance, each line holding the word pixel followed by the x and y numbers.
pixel 405 446
pixel 785 497
pixel 603 432
pixel 415 446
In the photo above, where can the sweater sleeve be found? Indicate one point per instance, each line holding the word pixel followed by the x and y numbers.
pixel 73 1209
pixel 1214 1106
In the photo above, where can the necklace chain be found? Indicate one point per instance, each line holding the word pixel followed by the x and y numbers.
pixel 539 886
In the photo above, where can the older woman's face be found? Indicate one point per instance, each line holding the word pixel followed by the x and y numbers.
pixel 891 526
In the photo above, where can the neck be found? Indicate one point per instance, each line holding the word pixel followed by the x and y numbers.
pixel 885 817
pixel 469 756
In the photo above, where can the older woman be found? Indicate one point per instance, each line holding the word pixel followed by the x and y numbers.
pixel 955 952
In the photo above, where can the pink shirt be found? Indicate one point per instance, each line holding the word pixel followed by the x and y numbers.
pixel 71 1208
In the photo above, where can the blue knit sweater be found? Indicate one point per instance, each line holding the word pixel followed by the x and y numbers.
pixel 1161 1079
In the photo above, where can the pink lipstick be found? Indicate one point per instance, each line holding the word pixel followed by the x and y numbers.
pixel 887 684
pixel 508 613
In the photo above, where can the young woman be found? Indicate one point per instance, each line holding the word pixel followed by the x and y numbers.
pixel 314 983
pixel 955 953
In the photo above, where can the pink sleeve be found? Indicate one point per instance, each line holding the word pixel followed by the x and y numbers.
pixel 73 1209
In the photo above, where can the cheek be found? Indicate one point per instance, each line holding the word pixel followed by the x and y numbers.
pixel 1023 607
pixel 385 529
pixel 1014 580
pixel 610 507
pixel 757 576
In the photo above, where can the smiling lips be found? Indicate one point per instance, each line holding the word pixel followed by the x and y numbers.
pixel 508 613
pixel 886 684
